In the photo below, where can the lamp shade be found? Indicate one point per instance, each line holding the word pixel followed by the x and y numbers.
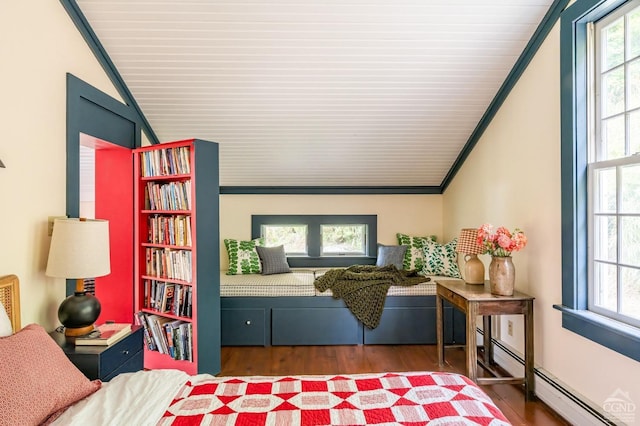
pixel 79 249
pixel 468 241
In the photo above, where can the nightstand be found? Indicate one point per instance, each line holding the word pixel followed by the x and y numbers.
pixel 105 362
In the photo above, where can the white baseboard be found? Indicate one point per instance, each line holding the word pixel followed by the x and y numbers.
pixel 569 404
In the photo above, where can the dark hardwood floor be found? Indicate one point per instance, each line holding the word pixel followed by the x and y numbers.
pixel 289 360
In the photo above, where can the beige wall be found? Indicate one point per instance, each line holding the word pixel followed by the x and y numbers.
pixel 512 178
pixel 38 45
pixel 409 214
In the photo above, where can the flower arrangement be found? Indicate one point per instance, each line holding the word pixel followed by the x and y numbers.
pixel 501 242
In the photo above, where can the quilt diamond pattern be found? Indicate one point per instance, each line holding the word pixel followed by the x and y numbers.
pixel 410 398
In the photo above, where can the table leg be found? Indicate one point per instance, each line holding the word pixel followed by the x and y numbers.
pixel 440 330
pixel 472 349
pixel 488 346
pixel 529 383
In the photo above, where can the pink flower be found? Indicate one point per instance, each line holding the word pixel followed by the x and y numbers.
pixel 501 243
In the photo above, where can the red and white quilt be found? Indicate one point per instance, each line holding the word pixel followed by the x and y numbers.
pixel 359 399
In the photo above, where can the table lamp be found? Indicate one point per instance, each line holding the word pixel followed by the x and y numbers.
pixel 473 271
pixel 79 250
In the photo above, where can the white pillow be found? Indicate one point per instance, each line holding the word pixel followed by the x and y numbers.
pixel 5 323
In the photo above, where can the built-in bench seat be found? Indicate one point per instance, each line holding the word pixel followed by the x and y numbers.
pixel 286 309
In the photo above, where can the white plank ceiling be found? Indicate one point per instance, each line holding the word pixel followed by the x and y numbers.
pixel 317 92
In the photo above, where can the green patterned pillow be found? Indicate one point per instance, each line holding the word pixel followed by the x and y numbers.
pixel 243 257
pixel 441 259
pixel 414 256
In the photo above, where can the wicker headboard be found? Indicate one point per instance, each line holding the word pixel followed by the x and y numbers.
pixel 10 298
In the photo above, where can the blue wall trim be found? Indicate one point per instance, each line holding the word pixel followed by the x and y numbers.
pixel 573 97
pixel 545 26
pixel 329 190
pixel 313 222
pixel 101 55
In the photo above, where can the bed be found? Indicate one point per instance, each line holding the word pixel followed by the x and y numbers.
pixel 39 385
pixel 286 309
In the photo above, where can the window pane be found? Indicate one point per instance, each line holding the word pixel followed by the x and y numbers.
pixel 605 291
pixel 343 239
pixel 605 240
pixel 293 237
pixel 633 79
pixel 630 189
pixel 612 138
pixel 630 288
pixel 605 190
pixel 613 44
pixel 613 92
pixel 634 132
pixel 633 34
pixel 630 241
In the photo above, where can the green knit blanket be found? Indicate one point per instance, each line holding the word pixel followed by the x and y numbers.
pixel 364 288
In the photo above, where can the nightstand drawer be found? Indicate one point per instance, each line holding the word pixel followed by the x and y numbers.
pixel 134 363
pixel 120 352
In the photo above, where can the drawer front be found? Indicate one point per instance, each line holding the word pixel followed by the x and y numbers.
pixel 314 326
pixel 120 352
pixel 133 364
pixel 243 327
pixel 453 298
pixel 404 326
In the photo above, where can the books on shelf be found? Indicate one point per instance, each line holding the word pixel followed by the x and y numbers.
pixel 104 335
pixel 167 336
pixel 170 230
pixel 164 162
pixel 168 263
pixel 167 297
pixel 168 196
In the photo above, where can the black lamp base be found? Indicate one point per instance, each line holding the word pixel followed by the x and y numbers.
pixel 78 313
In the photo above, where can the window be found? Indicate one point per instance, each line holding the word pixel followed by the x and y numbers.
pixel 614 166
pixel 344 239
pixel 600 70
pixel 320 240
pixel 293 237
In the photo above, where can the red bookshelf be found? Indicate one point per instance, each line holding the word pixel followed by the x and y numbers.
pixel 177 289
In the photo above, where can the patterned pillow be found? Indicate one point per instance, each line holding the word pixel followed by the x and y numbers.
pixel 37 380
pixel 414 256
pixel 273 260
pixel 243 257
pixel 391 255
pixel 441 259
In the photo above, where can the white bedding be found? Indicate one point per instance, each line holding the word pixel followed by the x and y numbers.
pixel 129 399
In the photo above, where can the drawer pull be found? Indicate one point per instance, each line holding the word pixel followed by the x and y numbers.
pixel 125 352
pixel 248 322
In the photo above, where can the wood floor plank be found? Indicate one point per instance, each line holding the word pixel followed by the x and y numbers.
pixel 297 360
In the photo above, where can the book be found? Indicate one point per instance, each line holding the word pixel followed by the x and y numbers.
pixel 104 335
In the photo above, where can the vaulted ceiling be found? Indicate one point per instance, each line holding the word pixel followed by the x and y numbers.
pixel 318 92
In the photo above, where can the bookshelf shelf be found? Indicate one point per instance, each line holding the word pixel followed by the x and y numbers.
pixel 177 289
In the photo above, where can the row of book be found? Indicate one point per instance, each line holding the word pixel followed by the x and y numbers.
pixel 167 336
pixel 168 297
pixel 169 263
pixel 168 196
pixel 165 162
pixel 172 230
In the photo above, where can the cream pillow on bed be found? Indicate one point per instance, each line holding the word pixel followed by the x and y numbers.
pixel 5 322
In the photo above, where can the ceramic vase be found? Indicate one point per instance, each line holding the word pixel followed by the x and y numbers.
pixel 502 275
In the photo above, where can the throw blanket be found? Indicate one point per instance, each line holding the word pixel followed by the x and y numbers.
pixel 364 288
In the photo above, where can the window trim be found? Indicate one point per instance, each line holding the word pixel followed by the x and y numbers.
pixel 612 334
pixel 314 242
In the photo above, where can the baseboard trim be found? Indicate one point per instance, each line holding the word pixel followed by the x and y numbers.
pixel 561 398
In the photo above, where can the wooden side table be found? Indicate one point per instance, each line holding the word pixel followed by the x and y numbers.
pixel 474 300
pixel 105 362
